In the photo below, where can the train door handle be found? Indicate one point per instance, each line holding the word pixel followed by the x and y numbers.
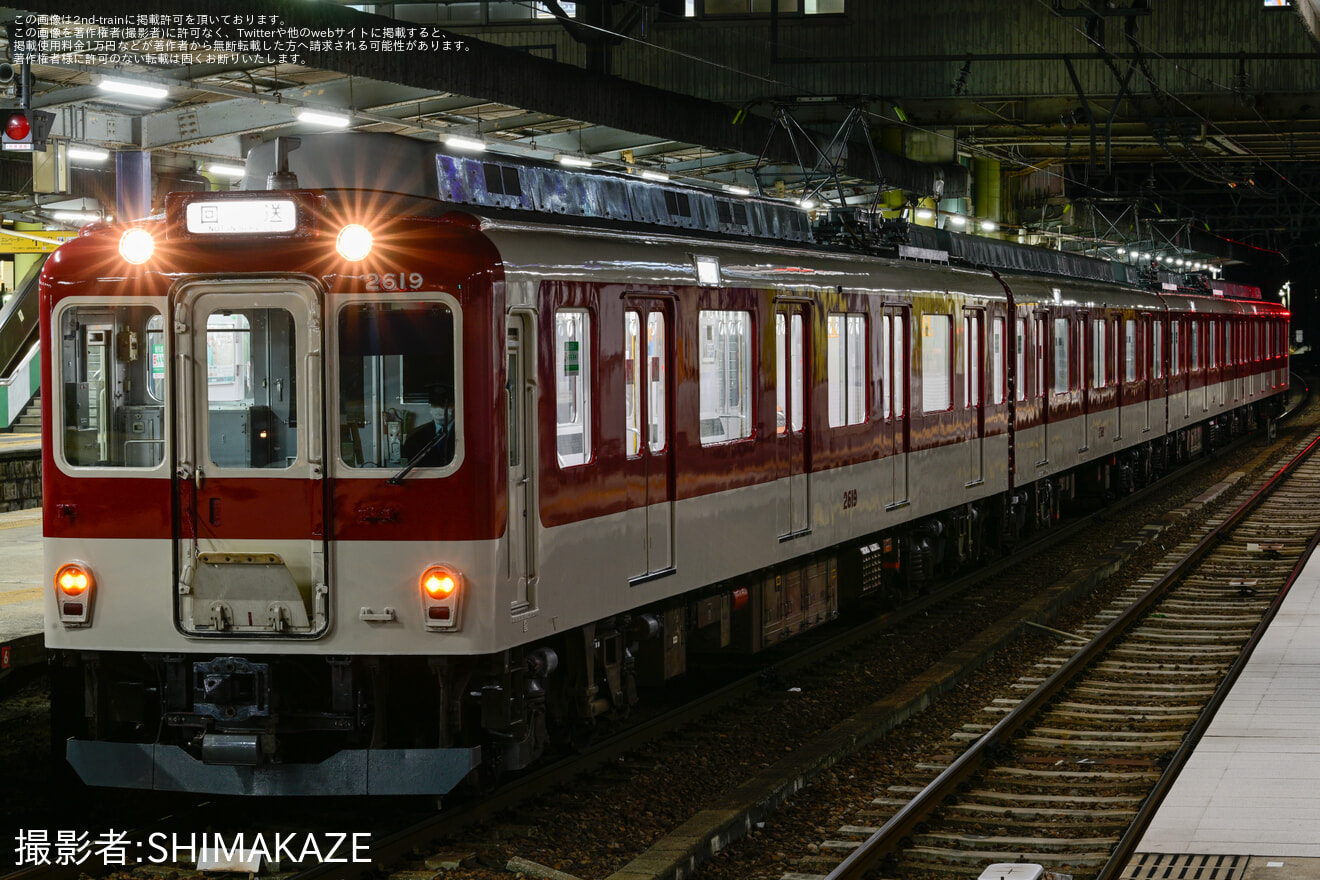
pixel 199 478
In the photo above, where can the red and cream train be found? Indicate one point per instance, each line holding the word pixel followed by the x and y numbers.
pixel 660 422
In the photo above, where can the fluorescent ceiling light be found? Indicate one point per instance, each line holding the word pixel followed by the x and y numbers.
pixel 958 220
pixel 737 190
pixel 925 213
pixel 988 226
pixel 654 175
pixel 75 216
pixel 574 161
pixel 806 204
pixel 227 170
pixel 462 143
pixel 318 117
pixel 124 87
pixel 90 154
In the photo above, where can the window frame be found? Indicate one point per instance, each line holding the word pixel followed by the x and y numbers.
pixel 587 379
pixel 847 385
pixel 334 405
pixel 747 387
pixel 927 400
pixel 162 307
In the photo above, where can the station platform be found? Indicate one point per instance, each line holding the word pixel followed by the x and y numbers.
pixel 21 639
pixel 1247 804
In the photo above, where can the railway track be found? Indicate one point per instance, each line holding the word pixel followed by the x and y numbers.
pixel 1064 775
pixel 394 848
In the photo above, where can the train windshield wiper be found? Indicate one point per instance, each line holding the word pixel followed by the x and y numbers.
pixel 417 458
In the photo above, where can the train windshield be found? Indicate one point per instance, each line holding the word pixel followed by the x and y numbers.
pixel 397 398
pixel 112 369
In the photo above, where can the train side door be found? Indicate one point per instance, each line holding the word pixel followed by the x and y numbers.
pixel 791 420
pixel 250 534
pixel 1045 344
pixel 519 394
pixel 1146 354
pixel 974 390
pixel 649 444
pixel 896 395
pixel 1082 354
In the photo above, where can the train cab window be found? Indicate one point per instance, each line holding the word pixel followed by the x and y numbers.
pixel 846 369
pixel 1062 357
pixel 936 363
pixel 398 396
pixel 573 386
pixel 1130 350
pixel 156 358
pixel 1021 353
pixel 110 419
pixel 725 340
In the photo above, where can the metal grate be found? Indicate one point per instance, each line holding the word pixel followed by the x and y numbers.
pixel 1168 866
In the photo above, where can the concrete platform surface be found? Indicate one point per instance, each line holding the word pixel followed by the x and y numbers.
pixel 20 574
pixel 1252 788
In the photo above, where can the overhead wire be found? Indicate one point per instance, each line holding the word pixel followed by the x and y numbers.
pixel 1158 91
pixel 1025 167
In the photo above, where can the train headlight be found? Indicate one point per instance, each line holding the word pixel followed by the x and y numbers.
pixel 136 246
pixel 354 242
pixel 442 590
pixel 75 587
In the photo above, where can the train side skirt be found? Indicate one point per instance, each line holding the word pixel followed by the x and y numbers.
pixel 349 772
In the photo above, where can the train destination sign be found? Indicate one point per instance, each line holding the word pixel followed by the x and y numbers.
pixel 239 217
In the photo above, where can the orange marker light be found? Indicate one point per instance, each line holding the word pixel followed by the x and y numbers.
pixel 439 582
pixel 74 579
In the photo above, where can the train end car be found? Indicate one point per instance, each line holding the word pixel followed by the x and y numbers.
pixel 358 491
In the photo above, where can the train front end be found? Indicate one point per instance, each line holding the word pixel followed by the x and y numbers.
pixel 272 512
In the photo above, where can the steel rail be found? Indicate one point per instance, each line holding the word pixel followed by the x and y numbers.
pixel 1127 844
pixel 904 823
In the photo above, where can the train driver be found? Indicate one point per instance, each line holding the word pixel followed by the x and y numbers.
pixel 431 444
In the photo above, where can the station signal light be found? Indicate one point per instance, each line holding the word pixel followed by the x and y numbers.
pixel 25 130
pixel 17 131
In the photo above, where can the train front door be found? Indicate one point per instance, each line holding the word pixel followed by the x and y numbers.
pixel 519 393
pixel 648 378
pixel 792 424
pixel 250 529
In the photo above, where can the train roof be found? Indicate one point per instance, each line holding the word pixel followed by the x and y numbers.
pixel 502 186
